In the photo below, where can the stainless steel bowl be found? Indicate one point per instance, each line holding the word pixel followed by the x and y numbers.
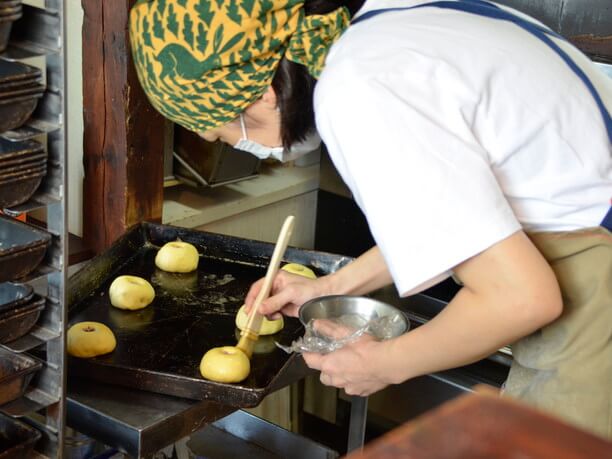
pixel 335 306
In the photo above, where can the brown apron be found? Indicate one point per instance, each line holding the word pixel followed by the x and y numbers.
pixel 566 367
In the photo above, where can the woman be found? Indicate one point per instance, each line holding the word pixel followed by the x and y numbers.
pixel 476 142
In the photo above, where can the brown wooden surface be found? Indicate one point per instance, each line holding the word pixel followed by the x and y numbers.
pixel 123 135
pixel 483 426
pixel 595 46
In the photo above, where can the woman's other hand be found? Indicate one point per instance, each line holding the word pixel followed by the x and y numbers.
pixel 360 368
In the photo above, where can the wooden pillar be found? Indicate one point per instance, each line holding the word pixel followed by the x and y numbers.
pixel 596 46
pixel 123 135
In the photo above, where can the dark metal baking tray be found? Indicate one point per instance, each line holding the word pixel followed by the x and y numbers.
pixel 10 150
pixel 7 6
pixel 15 112
pixel 11 17
pixel 11 93
pixel 14 150
pixel 16 236
pixel 8 176
pixel 19 264
pixel 9 11
pixel 10 7
pixel 20 321
pixel 24 166
pixel 30 157
pixel 17 71
pixel 13 295
pixel 160 347
pixel 22 248
pixel 16 371
pixel 34 172
pixel 19 190
pixel 17 439
pixel 20 83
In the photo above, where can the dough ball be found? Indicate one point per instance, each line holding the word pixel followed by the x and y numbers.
pixel 299 269
pixel 131 292
pixel 89 339
pixel 177 257
pixel 268 327
pixel 226 364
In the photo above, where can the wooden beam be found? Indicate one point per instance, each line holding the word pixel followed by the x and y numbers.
pixel 123 135
pixel 597 47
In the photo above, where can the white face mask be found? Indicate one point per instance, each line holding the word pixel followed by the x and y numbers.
pixel 298 149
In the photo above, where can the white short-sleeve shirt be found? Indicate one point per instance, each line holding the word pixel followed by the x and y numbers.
pixel 453 131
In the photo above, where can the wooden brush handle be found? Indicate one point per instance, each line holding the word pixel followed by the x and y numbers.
pixel 255 319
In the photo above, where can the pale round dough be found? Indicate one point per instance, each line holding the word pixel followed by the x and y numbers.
pixel 226 364
pixel 302 270
pixel 131 292
pixel 177 257
pixel 89 339
pixel 268 327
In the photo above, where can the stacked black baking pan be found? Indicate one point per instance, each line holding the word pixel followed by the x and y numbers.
pixel 23 165
pixel 20 91
pixel 19 310
pixel 22 249
pixel 10 11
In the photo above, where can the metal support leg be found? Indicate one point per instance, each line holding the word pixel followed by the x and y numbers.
pixel 357 423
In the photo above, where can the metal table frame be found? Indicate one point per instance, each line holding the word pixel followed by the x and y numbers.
pixel 137 422
pixel 142 423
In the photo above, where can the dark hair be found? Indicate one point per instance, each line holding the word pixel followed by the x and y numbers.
pixel 294 86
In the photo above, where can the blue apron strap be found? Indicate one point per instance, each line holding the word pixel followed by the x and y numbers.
pixel 607 221
pixel 491 10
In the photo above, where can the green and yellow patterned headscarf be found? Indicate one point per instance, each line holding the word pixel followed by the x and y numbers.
pixel 202 62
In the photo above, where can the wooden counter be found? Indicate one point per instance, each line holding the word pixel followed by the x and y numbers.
pixel 483 426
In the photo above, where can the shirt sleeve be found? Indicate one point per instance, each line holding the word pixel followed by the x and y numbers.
pixel 405 147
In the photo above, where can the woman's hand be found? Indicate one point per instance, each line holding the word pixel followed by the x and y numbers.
pixel 288 293
pixel 354 368
pixel 358 367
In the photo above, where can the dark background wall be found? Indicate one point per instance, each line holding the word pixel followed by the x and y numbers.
pixel 587 23
pixel 569 17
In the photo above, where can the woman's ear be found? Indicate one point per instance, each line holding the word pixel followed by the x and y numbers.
pixel 269 98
